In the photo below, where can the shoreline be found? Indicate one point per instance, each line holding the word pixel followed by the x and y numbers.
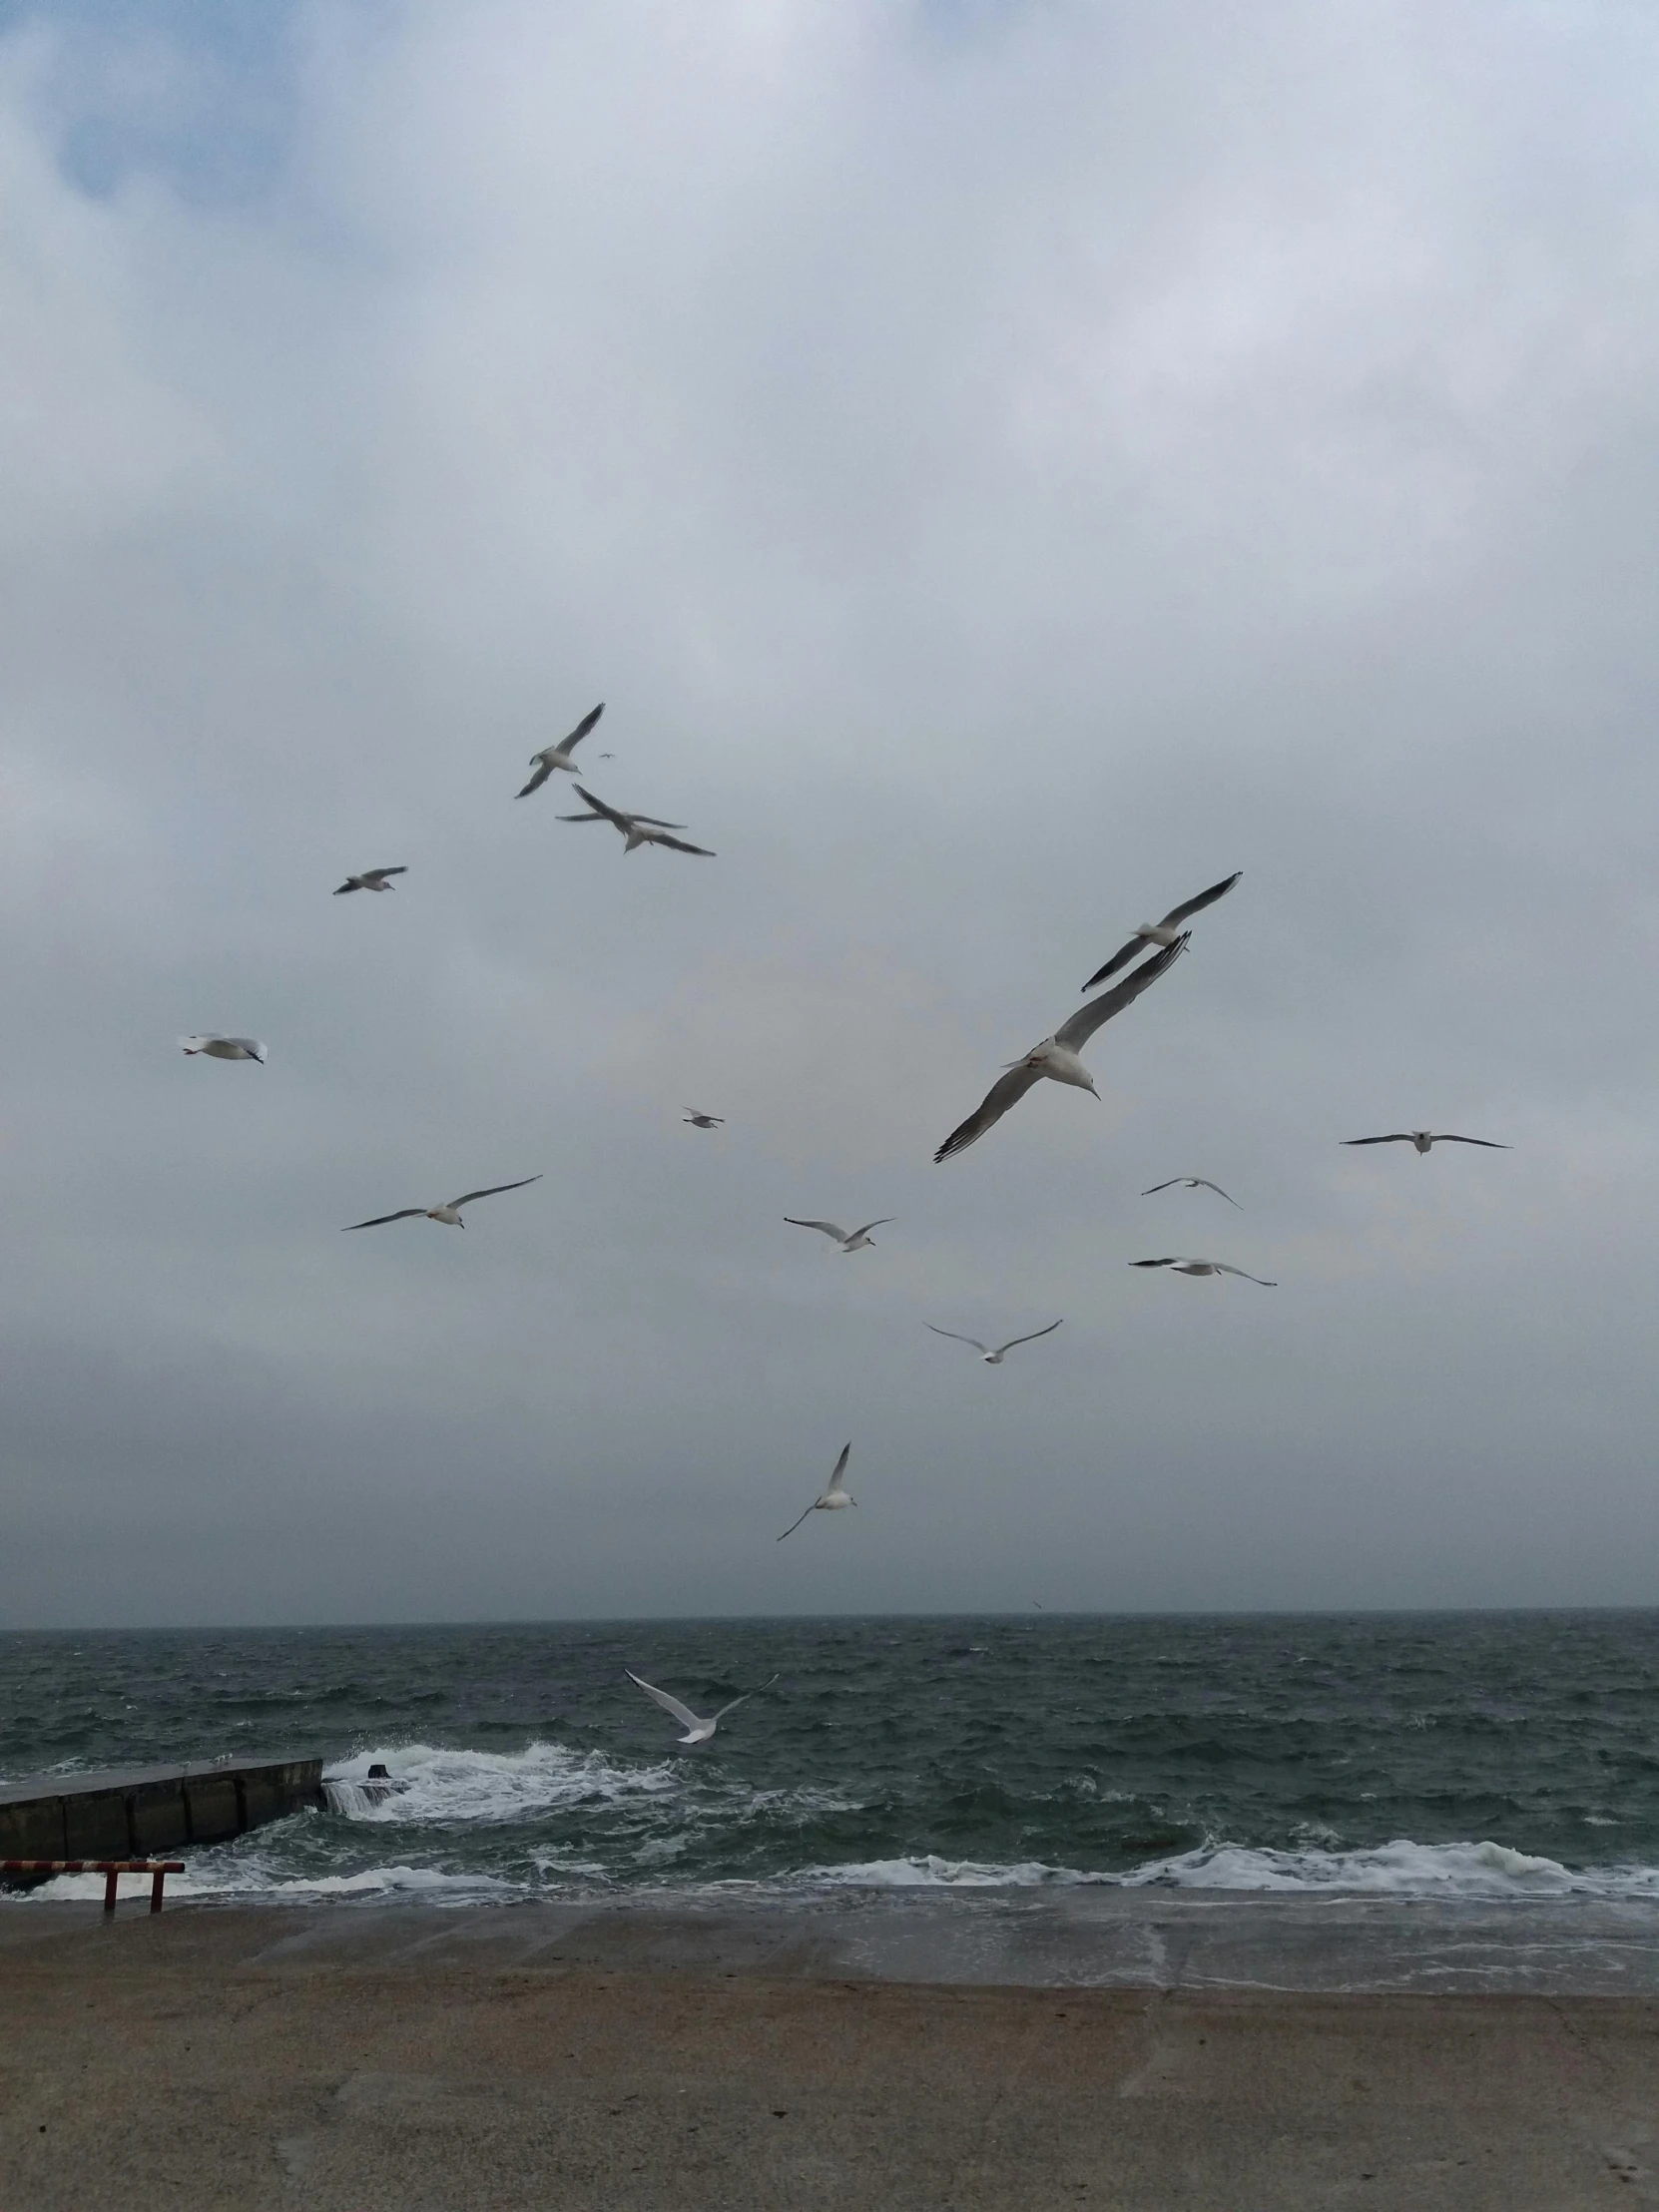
pixel 425 2060
pixel 1329 1942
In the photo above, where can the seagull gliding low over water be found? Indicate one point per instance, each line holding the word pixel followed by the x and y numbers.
pixel 1056 1056
pixel 701 1730
pixel 1205 1267
pixel 1424 1139
pixel 1165 932
pixel 450 1212
pixel 850 1240
pixel 834 1499
pixel 994 1359
pixel 558 756
pixel 697 1119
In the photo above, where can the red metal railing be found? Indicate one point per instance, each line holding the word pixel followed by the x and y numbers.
pixel 111 1868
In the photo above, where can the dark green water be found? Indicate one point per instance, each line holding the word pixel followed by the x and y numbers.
pixel 1501 1753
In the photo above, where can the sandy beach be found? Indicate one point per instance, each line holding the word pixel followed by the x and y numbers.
pixel 354 2059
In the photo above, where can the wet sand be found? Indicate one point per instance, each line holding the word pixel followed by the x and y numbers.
pixel 354 2059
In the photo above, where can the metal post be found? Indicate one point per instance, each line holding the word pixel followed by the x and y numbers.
pixel 156 1881
pixel 110 1881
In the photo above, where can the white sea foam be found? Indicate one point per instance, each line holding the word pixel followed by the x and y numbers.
pixel 929 1871
pixel 230 1880
pixel 1399 1868
pixel 432 1785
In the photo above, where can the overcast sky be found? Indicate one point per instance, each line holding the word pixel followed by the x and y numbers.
pixel 1005 466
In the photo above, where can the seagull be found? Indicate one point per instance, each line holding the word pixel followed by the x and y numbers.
pixel 833 1500
pixel 226 1049
pixel 553 756
pixel 697 1119
pixel 1056 1057
pixel 701 1731
pixel 1192 1183
pixel 450 1212
pixel 850 1240
pixel 638 829
pixel 1161 932
pixel 994 1359
pixel 1205 1267
pixel 1424 1138
pixel 372 880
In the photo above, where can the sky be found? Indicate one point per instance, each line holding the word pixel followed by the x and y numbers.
pixel 1004 465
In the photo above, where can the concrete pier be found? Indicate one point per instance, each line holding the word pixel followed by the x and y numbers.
pixel 142 1811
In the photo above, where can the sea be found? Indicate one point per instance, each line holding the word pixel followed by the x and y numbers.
pixel 1455 1755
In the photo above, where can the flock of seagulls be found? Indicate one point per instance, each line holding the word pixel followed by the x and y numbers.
pixel 1056 1058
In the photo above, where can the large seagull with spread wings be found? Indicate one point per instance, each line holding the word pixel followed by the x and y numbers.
pixel 449 1213
pixel 1056 1056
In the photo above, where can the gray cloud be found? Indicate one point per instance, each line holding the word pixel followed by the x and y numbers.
pixel 1005 468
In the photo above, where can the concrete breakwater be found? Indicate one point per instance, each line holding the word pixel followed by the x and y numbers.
pixel 140 1810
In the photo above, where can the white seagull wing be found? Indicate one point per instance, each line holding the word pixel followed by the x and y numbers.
pixel 1169 1186
pixel 795 1524
pixel 1031 1339
pixel 882 1223
pixel 1075 1033
pixel 959 1338
pixel 682 1712
pixel 1221 1267
pixel 1007 1092
pixel 582 728
pixel 406 1213
pixel 1399 1136
pixel 829 1228
pixel 1179 914
pixel 678 845
pixel 1204 1182
pixel 840 1470
pixel 737 1701
pixel 494 1190
pixel 544 770
pixel 1445 1137
pixel 1127 952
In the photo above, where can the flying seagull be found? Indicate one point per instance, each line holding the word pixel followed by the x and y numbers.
pixel 637 829
pixel 226 1049
pixel 850 1240
pixel 1193 1183
pixel 1165 932
pixel 1205 1267
pixel 994 1359
pixel 697 1119
pixel 1424 1138
pixel 372 880
pixel 701 1730
pixel 834 1499
pixel 1056 1057
pixel 449 1213
pixel 558 756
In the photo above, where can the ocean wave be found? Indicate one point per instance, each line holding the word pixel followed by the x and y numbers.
pixel 432 1785
pixel 1399 1868
pixel 246 1883
pixel 426 1786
